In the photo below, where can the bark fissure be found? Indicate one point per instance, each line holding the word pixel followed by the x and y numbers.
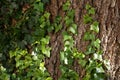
pixel 108 24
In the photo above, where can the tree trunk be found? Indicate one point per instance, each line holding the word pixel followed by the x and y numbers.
pixel 108 15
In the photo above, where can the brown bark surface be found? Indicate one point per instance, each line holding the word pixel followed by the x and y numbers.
pixel 108 15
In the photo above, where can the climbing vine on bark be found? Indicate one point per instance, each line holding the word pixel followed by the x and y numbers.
pixel 25 42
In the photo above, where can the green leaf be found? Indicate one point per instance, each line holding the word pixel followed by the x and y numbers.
pixel 86 36
pixel 39 7
pixel 66 60
pixel 47 15
pixel 12 54
pixel 100 69
pixel 71 14
pixel 62 56
pixel 82 62
pixel 95 27
pixel 87 76
pixel 45 40
pixel 58 27
pixel 28 38
pixel 87 7
pixel 73 28
pixel 78 55
pixel 42 19
pixel 66 36
pixel 98 76
pixel 49 78
pixel 66 6
pixel 97 43
pixel 50 28
pixel 89 36
pixel 90 50
pixel 19 63
pixel 97 56
pixel 46 51
pixel 17 57
pixel 58 19
pixel 91 11
pixel 67 43
pixel 87 19
pixel 68 21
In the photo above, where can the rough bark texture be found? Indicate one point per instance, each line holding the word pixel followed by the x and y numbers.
pixel 53 63
pixel 108 14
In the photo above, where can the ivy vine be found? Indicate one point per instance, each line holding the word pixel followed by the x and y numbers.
pixel 94 69
pixel 94 64
pixel 25 40
pixel 24 43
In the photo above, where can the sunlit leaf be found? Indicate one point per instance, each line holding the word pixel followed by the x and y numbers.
pixel 91 11
pixel 95 27
pixel 97 43
pixel 87 7
pixel 49 78
pixel 62 56
pixel 73 28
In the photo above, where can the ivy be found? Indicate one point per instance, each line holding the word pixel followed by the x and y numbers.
pixel 24 45
pixel 45 49
pixel 95 27
pixel 94 69
pixel 25 42
pixel 66 55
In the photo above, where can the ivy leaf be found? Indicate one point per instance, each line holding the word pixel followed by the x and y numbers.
pixel 39 7
pixel 87 19
pixel 46 51
pixel 97 43
pixel 58 27
pixel 47 15
pixel 91 11
pixel 68 21
pixel 87 76
pixel 87 6
pixel 100 69
pixel 98 76
pixel 12 54
pixel 66 36
pixel 78 55
pixel 62 56
pixel 66 60
pixel 66 6
pixel 95 27
pixel 89 36
pixel 86 36
pixel 42 66
pixel 71 14
pixel 67 43
pixel 90 50
pixel 97 56
pixel 18 64
pixel 49 29
pixel 45 40
pixel 49 78
pixel 82 62
pixel 73 28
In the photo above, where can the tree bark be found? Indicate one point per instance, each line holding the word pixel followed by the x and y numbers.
pixel 108 15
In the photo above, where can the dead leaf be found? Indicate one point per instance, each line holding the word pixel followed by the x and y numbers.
pixel 25 7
